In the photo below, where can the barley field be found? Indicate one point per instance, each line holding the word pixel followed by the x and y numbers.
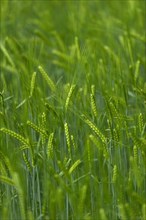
pixel 72 110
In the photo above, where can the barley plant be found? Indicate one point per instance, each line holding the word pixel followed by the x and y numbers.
pixel 72 110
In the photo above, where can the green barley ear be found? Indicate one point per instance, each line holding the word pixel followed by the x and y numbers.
pixel 23 147
pixel 95 129
pixel 61 55
pixel 115 135
pixel 93 105
pixel 67 135
pixel 92 101
pixel 3 170
pixel 114 112
pixel 28 165
pixel 6 163
pixel 43 121
pixel 98 145
pixel 16 136
pixel 50 145
pixel 74 166
pixel 112 54
pixel 136 74
pixel 141 122
pixel 32 85
pixel 43 126
pixel 47 78
pixel 7 180
pixel 126 129
pixel 37 129
pixel 95 141
pixel 105 152
pixel 59 41
pixel 136 176
pixel 109 129
pixel 7 55
pixel 69 96
pixel 102 214
pixel 137 141
pixel 114 174
pixel 2 101
pixel 89 154
pixel 73 143
pixel 135 154
pixel 52 110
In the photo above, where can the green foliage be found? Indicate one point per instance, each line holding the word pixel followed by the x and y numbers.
pixel 72 110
